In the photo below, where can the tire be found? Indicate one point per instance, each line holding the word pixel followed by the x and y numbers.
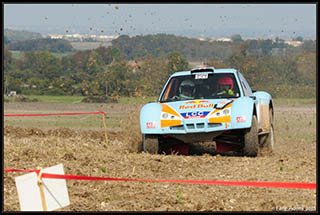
pixel 150 144
pixel 268 144
pixel 251 140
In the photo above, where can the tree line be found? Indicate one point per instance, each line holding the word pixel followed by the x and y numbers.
pixel 194 50
pixel 17 35
pixel 43 44
pixel 141 68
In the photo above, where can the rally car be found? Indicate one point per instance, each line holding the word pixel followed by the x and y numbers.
pixel 209 105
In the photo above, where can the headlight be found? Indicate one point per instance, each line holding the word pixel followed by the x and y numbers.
pixel 226 112
pixel 165 115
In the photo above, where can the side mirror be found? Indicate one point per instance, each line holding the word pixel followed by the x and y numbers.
pixel 254 90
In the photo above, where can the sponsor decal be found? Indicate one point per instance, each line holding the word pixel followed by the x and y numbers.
pixel 223 104
pixel 196 102
pixel 151 124
pixel 201 76
pixel 241 119
pixel 195 114
pixel 185 107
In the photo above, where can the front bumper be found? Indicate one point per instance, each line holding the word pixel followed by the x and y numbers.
pixel 196 126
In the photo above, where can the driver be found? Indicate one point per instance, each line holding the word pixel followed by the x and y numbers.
pixel 186 89
pixel 225 86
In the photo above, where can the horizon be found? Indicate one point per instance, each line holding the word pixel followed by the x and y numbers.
pixel 114 36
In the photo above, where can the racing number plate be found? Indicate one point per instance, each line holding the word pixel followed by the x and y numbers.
pixel 201 76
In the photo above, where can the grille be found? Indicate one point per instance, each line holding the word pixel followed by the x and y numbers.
pixel 212 125
pixel 190 126
pixel 178 127
pixel 193 126
pixel 200 125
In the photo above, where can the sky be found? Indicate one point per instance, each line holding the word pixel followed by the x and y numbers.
pixel 185 19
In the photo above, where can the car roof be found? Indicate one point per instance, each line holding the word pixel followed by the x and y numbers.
pixel 183 73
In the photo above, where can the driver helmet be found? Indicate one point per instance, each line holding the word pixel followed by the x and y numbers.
pixel 187 86
pixel 225 83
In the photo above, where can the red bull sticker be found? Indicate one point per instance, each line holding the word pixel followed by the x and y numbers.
pixel 185 107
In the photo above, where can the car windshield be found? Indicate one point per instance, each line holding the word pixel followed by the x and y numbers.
pixel 201 86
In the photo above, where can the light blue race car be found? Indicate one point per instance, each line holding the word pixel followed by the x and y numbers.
pixel 209 105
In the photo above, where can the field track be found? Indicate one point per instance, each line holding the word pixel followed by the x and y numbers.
pixel 85 152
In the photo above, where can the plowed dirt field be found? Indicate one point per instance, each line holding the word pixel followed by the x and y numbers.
pixel 85 152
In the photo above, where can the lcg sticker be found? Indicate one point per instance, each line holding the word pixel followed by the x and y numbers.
pixel 195 114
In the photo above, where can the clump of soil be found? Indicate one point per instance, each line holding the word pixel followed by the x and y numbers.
pixel 21 98
pixel 18 132
pixel 99 99
pixel 21 133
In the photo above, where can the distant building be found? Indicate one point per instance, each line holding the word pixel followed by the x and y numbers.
pixel 81 37
pixel 293 43
pixel 223 39
pixel 201 38
pixel 56 36
pixel 12 93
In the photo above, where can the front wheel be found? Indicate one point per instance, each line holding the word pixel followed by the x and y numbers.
pixel 268 143
pixel 251 140
pixel 150 144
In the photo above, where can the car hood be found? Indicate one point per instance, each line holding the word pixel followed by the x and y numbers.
pixel 203 105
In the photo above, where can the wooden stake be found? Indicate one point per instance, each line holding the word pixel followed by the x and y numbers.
pixel 40 184
pixel 105 129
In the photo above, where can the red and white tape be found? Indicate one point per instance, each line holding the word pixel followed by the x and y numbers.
pixel 294 185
